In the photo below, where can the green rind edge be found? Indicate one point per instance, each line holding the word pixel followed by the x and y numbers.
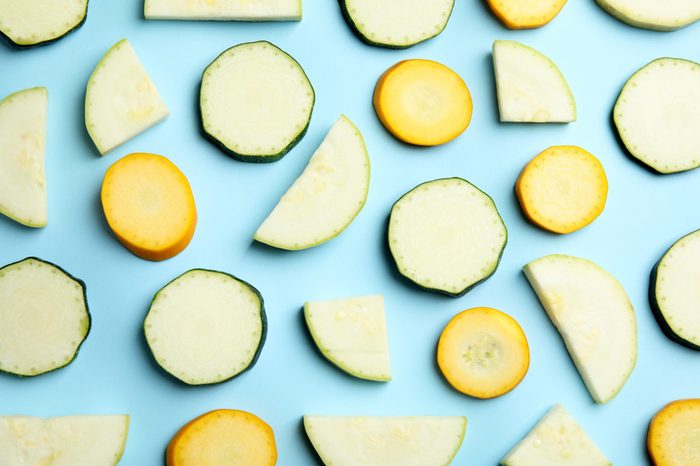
pixel 656 307
pixel 247 157
pixel 356 30
pixel 87 312
pixel 263 333
pixel 461 293
pixel 49 41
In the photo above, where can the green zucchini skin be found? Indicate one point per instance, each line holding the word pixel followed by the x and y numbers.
pixel 46 42
pixel 656 309
pixel 435 290
pixel 87 309
pixel 255 158
pixel 366 40
pixel 263 320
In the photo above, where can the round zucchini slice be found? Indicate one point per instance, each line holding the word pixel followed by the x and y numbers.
pixel 206 327
pixel 26 23
pixel 483 353
pixel 667 15
pixel 256 102
pixel 44 317
pixel 446 236
pixel 658 114
pixel 673 292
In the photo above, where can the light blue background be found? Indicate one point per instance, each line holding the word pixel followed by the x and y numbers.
pixel 114 372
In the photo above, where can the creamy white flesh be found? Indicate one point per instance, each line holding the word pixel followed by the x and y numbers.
pixel 22 148
pixel 43 318
pixel 594 316
pixel 224 10
pixel 205 327
pixel 63 441
pixel 661 15
pixel 530 87
pixel 255 100
pixel 386 441
pixel 676 288
pixel 658 115
pixel 31 22
pixel 327 196
pixel 121 100
pixel 557 440
pixel 399 23
pixel 352 334
pixel 446 235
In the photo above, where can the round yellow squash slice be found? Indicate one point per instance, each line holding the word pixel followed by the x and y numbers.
pixel 674 434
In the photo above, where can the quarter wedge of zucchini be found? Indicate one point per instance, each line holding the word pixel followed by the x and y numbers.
pixel 327 196
pixel 658 114
pixel 446 236
pixel 224 10
pixel 557 440
pixel 667 15
pixel 121 101
pixel 63 441
pixel 255 102
pixel 673 291
pixel 44 316
pixel 352 334
pixel 594 316
pixel 22 147
pixel 386 441
pixel 26 23
pixel 530 87
pixel 396 23
pixel 206 327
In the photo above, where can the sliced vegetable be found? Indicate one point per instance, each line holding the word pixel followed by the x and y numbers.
pixel 674 294
pixel 658 113
pixel 594 316
pixel 255 102
pixel 530 87
pixel 22 147
pixel 121 101
pixel 351 333
pixel 423 102
pixel 224 10
pixel 386 441
pixel 557 440
pixel 668 15
pixel 396 24
pixel 149 206
pixel 563 189
pixel 63 441
pixel 672 439
pixel 483 353
pixel 526 14
pixel 223 437
pixel 327 196
pixel 206 327
pixel 44 316
pixel 446 236
pixel 27 23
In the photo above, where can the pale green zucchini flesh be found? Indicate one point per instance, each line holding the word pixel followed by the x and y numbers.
pixel 224 10
pixel 26 23
pixel 666 15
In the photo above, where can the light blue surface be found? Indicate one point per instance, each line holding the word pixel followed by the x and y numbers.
pixel 114 372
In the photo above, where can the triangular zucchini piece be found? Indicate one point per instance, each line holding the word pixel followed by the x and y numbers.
pixel 63 441
pixel 557 440
pixel 352 334
pixel 27 23
pixel 530 87
pixel 327 196
pixel 666 15
pixel 224 10
pixel 121 101
pixel 386 441
pixel 594 316
pixel 22 147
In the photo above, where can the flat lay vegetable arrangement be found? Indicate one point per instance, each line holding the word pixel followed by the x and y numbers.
pixel 303 241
